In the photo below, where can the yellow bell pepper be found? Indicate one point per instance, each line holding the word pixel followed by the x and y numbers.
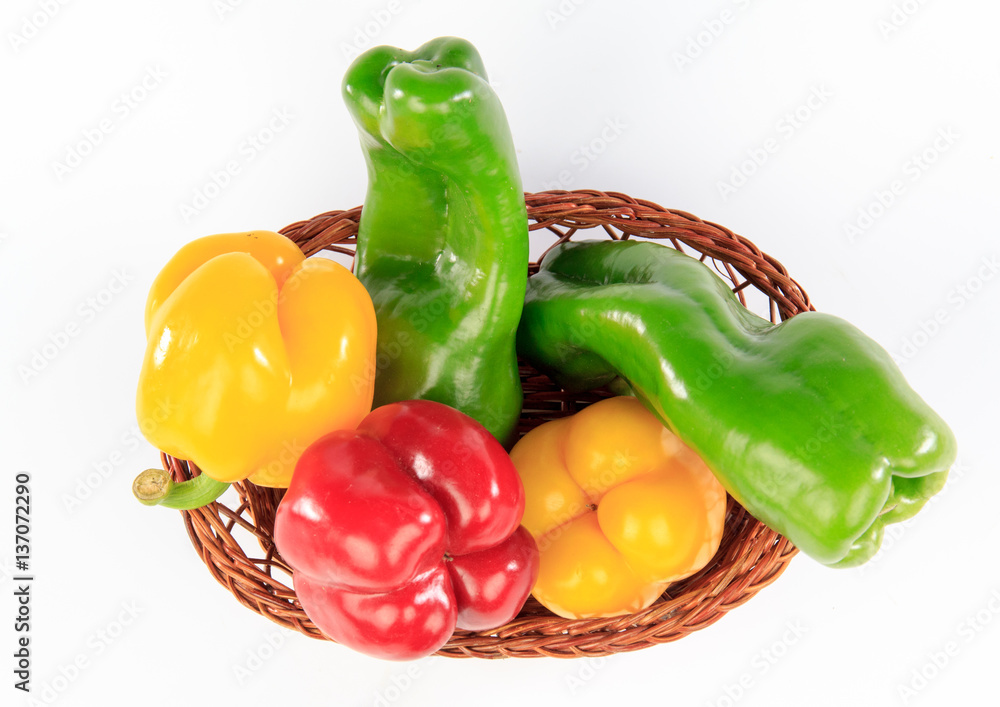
pixel 253 353
pixel 619 507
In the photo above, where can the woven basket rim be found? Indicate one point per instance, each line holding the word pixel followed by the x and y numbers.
pixel 750 557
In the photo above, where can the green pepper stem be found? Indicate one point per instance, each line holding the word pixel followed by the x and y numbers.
pixel 154 487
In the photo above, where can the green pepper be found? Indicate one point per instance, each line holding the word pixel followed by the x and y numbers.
pixel 443 235
pixel 809 424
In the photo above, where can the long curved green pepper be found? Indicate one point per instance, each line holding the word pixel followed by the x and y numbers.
pixel 443 235
pixel 809 424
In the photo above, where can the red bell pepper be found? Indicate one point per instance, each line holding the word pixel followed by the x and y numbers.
pixel 405 529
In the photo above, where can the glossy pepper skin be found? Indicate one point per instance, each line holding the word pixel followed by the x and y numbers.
pixel 406 528
pixel 809 424
pixel 620 508
pixel 443 236
pixel 247 362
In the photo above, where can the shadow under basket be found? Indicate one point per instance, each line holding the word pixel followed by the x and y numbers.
pixel 750 557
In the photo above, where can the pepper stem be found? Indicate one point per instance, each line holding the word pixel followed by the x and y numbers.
pixel 154 487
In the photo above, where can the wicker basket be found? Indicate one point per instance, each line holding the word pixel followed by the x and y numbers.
pixel 750 557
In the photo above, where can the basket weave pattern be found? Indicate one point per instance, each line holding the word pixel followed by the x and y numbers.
pixel 750 557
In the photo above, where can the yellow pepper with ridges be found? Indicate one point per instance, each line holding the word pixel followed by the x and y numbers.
pixel 254 352
pixel 619 506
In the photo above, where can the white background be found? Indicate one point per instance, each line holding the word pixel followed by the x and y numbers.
pixel 902 92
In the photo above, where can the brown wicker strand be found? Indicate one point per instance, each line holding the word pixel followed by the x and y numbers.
pixel 750 557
